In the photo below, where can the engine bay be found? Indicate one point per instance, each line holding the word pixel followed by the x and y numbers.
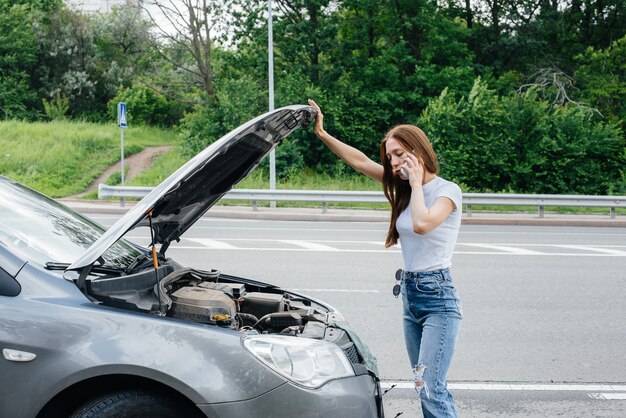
pixel 201 296
pixel 213 298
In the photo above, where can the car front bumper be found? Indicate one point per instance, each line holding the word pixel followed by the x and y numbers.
pixel 358 396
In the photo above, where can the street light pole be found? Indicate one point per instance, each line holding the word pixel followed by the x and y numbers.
pixel 270 52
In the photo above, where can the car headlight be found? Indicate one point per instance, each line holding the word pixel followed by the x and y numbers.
pixel 308 362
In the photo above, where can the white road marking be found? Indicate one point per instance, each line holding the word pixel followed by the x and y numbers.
pixel 608 396
pixel 308 245
pixel 556 387
pixel 465 230
pixel 544 245
pixel 380 243
pixel 363 251
pixel 213 244
pixel 320 246
pixel 337 250
pixel 337 290
pixel 504 248
pixel 538 253
pixel 598 249
pixel 230 228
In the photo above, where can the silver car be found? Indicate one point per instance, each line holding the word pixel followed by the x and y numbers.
pixel 92 325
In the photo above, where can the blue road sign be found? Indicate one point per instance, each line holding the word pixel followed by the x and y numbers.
pixel 121 115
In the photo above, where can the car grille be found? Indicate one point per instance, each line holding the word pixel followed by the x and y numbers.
pixel 351 353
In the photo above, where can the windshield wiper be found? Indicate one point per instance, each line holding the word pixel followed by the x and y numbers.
pixel 53 265
pixel 139 260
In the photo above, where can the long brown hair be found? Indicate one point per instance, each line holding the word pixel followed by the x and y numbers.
pixel 398 191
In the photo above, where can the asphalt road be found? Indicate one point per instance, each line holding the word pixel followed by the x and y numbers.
pixel 543 331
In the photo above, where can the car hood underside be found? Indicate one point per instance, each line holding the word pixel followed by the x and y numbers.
pixel 177 203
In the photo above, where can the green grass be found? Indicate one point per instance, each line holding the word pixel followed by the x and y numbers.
pixel 167 163
pixel 164 165
pixel 62 158
pixel 309 180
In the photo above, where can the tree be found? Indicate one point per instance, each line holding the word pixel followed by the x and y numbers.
pixel 88 58
pixel 188 25
pixel 525 35
pixel 34 5
pixel 601 78
pixel 124 36
pixel 18 57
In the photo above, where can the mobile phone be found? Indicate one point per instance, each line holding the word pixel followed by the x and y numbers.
pixel 404 171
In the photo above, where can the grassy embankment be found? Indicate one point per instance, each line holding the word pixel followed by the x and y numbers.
pixel 64 158
pixel 259 179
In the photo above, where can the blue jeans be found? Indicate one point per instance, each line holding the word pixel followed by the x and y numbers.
pixel 432 318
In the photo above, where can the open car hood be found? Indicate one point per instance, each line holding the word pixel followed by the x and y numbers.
pixel 182 198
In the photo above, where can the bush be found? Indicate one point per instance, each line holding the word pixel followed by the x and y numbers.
pixel 585 156
pixel 522 144
pixel 145 106
pixel 469 137
pixel 237 101
pixel 57 107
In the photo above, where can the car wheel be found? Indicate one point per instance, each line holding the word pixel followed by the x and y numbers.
pixel 134 404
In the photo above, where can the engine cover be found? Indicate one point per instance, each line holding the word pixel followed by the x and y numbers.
pixel 204 305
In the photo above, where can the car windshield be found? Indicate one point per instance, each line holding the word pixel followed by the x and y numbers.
pixel 40 230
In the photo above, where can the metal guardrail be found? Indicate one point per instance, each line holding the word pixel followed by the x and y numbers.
pixel 325 196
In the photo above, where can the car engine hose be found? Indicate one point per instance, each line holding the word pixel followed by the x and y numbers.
pixel 278 320
pixel 246 319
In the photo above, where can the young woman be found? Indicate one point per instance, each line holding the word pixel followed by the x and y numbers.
pixel 425 216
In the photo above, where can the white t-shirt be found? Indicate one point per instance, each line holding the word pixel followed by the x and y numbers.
pixel 432 251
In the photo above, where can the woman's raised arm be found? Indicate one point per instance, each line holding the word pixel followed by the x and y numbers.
pixel 352 156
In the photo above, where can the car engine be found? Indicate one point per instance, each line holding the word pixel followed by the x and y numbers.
pixel 213 298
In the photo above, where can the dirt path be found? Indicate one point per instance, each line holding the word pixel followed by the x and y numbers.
pixel 134 164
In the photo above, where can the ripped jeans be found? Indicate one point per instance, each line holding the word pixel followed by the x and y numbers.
pixel 432 318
